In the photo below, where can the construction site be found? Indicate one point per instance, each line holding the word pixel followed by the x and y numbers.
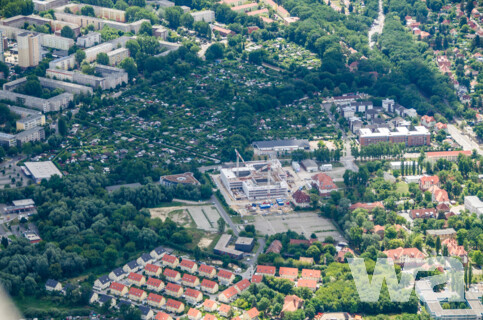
pixel 255 180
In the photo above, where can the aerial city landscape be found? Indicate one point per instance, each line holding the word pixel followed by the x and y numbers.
pixel 234 159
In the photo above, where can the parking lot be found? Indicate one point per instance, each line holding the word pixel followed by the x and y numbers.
pixel 205 217
pixel 304 223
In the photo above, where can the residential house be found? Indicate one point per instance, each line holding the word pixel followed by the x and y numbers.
pixel 251 314
pixel 225 277
pixel 190 280
pixel 144 259
pixel 292 303
pixel 228 295
pixel 301 199
pixel 288 273
pixel 209 286
pixel 137 279
pixel 53 285
pixel 146 313
pixel 256 278
pixel 224 310
pixel 275 247
pixel 423 213
pixel 158 253
pixel 324 184
pixel 163 316
pixel 439 195
pixel 103 298
pixel 118 289
pixel 194 314
pixel 172 275
pixel 174 306
pixel 131 266
pixel 117 274
pixel 405 255
pixel 340 257
pixel 428 121
pixel 209 317
pixel 306 283
pixel 136 294
pixel 443 234
pixel 210 305
pixel 440 126
pixel 102 283
pixel 174 290
pixel 266 270
pixel 207 271
pixel 193 296
pixel 188 266
pixel 311 274
pixel 455 250
pixel 427 182
pixel 379 230
pixel 154 284
pixel 242 285
pixel 152 270
pixel 170 261
pixel 155 300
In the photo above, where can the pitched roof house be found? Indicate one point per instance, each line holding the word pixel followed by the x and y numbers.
pixel 405 255
pixel 174 290
pixel 154 284
pixel 210 305
pixel 172 275
pixel 323 183
pixel 228 295
pixel 190 280
pixel 169 260
pixel 207 271
pixel 174 306
pixel 209 286
pixel 152 270
pixel 188 266
pixel 225 277
pixel 288 273
pixel 194 314
pixel 311 274
pixel 266 270
pixel 193 296
pixel 155 300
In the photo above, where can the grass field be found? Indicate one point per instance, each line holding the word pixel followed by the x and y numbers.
pixel 402 187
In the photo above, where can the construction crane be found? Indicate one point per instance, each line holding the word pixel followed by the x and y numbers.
pixel 238 157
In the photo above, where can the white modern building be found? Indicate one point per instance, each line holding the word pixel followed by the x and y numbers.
pixel 41 170
pixel 473 204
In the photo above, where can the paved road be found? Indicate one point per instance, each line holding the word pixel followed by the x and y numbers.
pixel 463 140
pixel 253 261
pixel 225 215
pixel 348 159
pixel 377 26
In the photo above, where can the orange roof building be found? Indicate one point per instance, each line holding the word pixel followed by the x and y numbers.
pixel 155 284
pixel 311 274
pixel 209 286
pixel 266 270
pixel 210 305
pixel 288 273
pixel 188 266
pixel 190 280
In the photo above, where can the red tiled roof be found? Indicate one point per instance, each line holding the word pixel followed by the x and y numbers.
pixel 168 258
pixel 170 273
pixel 257 278
pixel 301 197
pixel 224 308
pixel 208 283
pixel 192 293
pixel 205 268
pixel 292 303
pixel 194 313
pixel 209 303
pixel 292 272
pixel 243 284
pixel 162 316
pixel 423 213
pixel 117 286
pixel 173 287
pixel 135 276
pixel 253 312
pixel 266 270
pixel 275 247
pixel 209 317
pixel 310 273
pixel 136 292
pixel 154 282
pixel 189 278
pixel 155 297
pixel 396 254
pixel 230 292
pixel 368 206
pixel 324 182
pixel 429 179
pixel 307 283
pixel 187 263
pixel 225 274
pixel 174 303
pixel 151 268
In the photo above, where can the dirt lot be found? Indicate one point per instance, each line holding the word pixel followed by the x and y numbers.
pixel 304 223
pixel 202 217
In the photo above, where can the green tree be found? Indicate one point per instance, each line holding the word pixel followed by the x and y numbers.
pixel 215 51
pixel 62 126
pixel 102 58
pixel 187 20
pixel 88 11
pixel 67 32
pixel 146 28
pixel 80 55
pixel 221 225
pixel 130 67
pixel 173 15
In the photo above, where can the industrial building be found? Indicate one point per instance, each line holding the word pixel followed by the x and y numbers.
pixel 275 146
pixel 40 170
pixel 222 247
pixel 255 180
pixel 419 136
pixel 28 49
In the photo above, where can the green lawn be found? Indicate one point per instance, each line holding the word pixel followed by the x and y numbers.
pixel 402 187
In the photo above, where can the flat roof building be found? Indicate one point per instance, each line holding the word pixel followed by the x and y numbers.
pixel 41 170
pixel 28 49
pixel 175 179
pixel 283 146
pixel 420 136
pixel 244 244
pixel 222 247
